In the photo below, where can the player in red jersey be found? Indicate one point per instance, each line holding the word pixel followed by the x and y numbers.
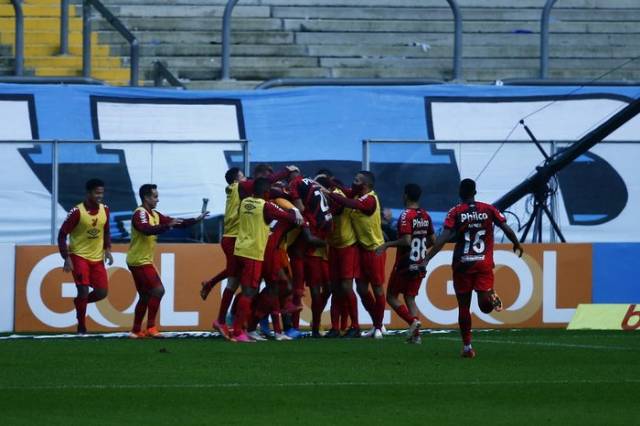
pixel 307 196
pixel 470 225
pixel 146 225
pixel 90 245
pixel 415 236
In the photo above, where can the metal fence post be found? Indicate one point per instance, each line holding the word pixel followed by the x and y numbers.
pixel 19 38
pixel 457 41
pixel 135 61
pixel 245 154
pixel 544 38
pixel 54 190
pixel 86 38
pixel 64 27
pixel 226 39
pixel 366 161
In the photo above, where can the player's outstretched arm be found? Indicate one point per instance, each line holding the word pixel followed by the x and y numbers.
pixel 403 241
pixel 309 238
pixel 517 248
pixel 445 236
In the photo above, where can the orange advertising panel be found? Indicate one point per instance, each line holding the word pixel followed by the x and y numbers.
pixel 541 289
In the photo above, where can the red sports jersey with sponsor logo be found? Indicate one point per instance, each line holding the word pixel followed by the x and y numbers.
pixel 316 205
pixel 416 223
pixel 473 225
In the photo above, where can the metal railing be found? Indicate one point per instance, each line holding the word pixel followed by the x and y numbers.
pixel 291 82
pixel 226 39
pixel 64 27
pixel 544 38
pixel 19 38
pixel 162 73
pixel 118 26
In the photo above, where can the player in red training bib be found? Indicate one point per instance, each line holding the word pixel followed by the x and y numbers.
pixel 415 236
pixel 470 225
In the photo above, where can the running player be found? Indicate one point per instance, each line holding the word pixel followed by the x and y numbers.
pixel 415 236
pixel 87 224
pixel 470 225
pixel 146 224
pixel 366 222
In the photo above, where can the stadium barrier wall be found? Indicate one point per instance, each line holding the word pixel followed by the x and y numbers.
pixel 541 289
pixel 7 287
pixel 606 317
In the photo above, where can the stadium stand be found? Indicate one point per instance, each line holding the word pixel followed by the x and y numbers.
pixel 340 38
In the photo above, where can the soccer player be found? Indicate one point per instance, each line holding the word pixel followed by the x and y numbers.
pixel 87 224
pixel 308 197
pixel 470 225
pixel 366 221
pixel 233 176
pixel 415 236
pixel 146 224
pixel 256 213
pixel 235 193
pixel 343 263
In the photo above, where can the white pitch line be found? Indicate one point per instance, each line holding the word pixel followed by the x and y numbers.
pixel 319 384
pixel 549 344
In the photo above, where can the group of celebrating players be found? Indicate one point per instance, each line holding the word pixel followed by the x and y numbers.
pixel 292 231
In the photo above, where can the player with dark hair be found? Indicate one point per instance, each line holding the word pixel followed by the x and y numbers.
pixel 87 224
pixel 233 176
pixel 308 198
pixel 256 213
pixel 470 225
pixel 239 188
pixel 366 221
pixel 343 263
pixel 415 236
pixel 146 224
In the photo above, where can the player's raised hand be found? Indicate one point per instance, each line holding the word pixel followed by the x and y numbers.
pixel 299 218
pixel 517 248
pixel 293 168
pixel 68 265
pixel 202 216
pixel 108 257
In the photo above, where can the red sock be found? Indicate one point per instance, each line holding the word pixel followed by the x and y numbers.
pixel 404 313
pixel 275 314
pixel 344 312
pixel 352 301
pixel 369 303
pixel 316 311
pixel 141 309
pixel 336 308
pixel 154 304
pixel 464 319
pixel 243 311
pixel 227 296
pixel 295 316
pixel 81 311
pixel 380 303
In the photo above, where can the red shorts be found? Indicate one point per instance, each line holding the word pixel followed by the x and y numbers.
pixel 372 266
pixel 250 271
pixel 228 245
pixel 316 271
pixel 344 263
pixel 145 277
pixel 464 282
pixel 407 284
pixel 89 272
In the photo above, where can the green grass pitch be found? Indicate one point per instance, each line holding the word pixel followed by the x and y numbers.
pixel 537 377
